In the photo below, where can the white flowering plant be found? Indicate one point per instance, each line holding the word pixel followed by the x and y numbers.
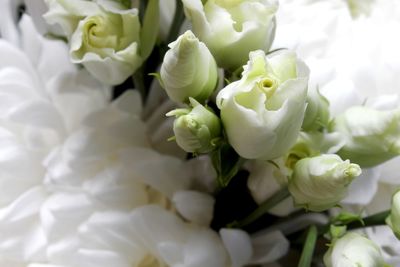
pixel 199 133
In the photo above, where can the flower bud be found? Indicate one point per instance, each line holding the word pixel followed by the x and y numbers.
pixel 371 136
pixel 233 28
pixel 196 129
pixel 317 112
pixel 262 113
pixel 353 249
pixel 104 36
pixel 394 218
pixel 320 182
pixel 188 70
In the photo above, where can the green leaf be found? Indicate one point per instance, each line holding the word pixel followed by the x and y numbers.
pixel 226 163
pixel 149 32
pixel 336 231
pixel 347 217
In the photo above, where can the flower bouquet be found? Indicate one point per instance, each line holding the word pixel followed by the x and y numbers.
pixel 199 133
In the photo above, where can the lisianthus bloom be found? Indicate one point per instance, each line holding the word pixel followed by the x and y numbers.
pixel 353 249
pixel 371 136
pixel 231 29
pixel 262 112
pixel 104 36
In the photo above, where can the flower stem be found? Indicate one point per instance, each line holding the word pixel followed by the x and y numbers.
pixel 308 248
pixel 262 209
pixel 369 221
pixel 372 220
pixel 138 80
pixel 179 17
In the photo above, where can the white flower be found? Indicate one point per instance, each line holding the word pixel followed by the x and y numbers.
pixel 43 98
pixel 188 70
pixel 320 182
pixel 82 205
pixel 371 136
pixel 394 219
pixel 265 179
pixel 353 249
pixel 104 36
pixel 262 112
pixel 231 29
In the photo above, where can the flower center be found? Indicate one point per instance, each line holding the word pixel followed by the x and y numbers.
pixel 150 261
pixel 100 33
pixel 268 86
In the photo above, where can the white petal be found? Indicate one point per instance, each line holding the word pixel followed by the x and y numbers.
pixel 363 188
pixel 238 245
pixel 269 247
pixel 194 206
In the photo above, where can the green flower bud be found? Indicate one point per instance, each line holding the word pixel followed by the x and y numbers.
pixel 317 112
pixel 197 129
pixel 311 144
pixel 262 112
pixel 394 218
pixel 188 70
pixel 353 250
pixel 371 136
pixel 320 182
pixel 233 28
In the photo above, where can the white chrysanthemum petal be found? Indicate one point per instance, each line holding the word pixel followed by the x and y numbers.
pixel 22 236
pixel 269 247
pixel 194 206
pixel 238 245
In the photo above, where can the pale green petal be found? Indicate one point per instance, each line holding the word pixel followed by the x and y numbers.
pixel 68 13
pixel 320 182
pixel 372 136
pixel 394 219
pixel 262 115
pixel 188 70
pixel 232 29
pixel 353 249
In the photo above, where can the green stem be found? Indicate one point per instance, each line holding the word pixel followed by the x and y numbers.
pixel 179 17
pixel 308 248
pixel 138 80
pixel 372 220
pixel 262 209
pixel 369 221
